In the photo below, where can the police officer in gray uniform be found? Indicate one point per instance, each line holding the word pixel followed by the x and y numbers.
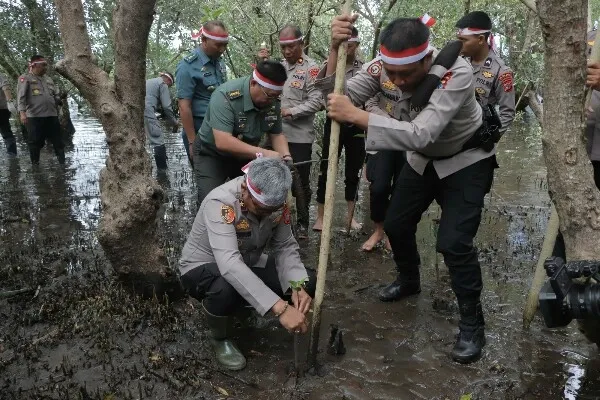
pixel 493 79
pixel 38 98
pixel 7 107
pixel 224 265
pixel 444 163
pixel 299 103
pixel 198 75
pixel 158 99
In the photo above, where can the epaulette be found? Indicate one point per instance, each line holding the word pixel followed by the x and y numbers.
pixel 191 57
pixel 234 94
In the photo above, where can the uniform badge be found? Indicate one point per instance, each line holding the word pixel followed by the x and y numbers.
pixel 234 94
pixel 295 84
pixel 389 107
pixel 227 214
pixel 507 81
pixel 487 74
pixel 314 72
pixel 210 88
pixel 487 63
pixel 388 85
pixel 243 225
pixel 35 91
pixel 480 90
pixel 242 122
pixel 374 69
pixel 445 79
pixel 300 60
pixel 243 206
pixel 300 71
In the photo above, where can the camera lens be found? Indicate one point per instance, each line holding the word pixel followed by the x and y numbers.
pixel 584 301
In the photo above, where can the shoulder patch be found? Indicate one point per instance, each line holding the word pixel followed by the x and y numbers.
pixel 374 69
pixel 487 63
pixel 445 79
pixel 487 74
pixel 507 81
pixel 234 94
pixel 227 214
pixel 191 57
pixel 313 72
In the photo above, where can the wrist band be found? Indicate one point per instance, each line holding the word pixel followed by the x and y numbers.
pixel 284 308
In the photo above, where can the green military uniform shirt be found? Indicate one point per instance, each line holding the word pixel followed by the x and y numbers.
pixel 231 110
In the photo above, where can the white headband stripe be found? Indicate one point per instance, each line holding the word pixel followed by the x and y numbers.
pixel 405 60
pixel 39 62
pixel 472 31
pixel 213 37
pixel 288 41
pixel 258 78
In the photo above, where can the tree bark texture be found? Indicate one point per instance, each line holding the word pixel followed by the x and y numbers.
pixel 130 196
pixel 570 181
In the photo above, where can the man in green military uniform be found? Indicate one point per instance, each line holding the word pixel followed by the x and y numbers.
pixel 239 113
pixel 493 79
pixel 198 75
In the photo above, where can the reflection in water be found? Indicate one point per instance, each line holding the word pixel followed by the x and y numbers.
pixel 397 350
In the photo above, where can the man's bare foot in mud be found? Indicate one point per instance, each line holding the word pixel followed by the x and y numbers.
pixel 377 236
pixel 318 226
pixel 355 226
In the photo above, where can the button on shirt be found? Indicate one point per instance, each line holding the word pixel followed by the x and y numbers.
pixel 302 99
pixel 225 233
pixel 37 96
pixel 439 129
pixel 231 110
pixel 197 77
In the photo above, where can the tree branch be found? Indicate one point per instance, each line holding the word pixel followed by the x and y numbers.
pixel 530 4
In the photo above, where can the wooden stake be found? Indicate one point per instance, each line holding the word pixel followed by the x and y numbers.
pixel 332 169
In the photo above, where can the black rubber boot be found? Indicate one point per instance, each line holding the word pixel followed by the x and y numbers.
pixel 406 284
pixel 34 155
pixel 160 156
pixel 11 147
pixel 471 336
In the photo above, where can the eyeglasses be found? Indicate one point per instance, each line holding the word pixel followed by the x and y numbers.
pixel 270 96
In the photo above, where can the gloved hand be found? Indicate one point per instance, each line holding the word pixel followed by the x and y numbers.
pixel 12 108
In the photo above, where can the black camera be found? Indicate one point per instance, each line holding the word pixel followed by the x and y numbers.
pixel 562 300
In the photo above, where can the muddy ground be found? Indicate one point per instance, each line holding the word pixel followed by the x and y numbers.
pixel 77 334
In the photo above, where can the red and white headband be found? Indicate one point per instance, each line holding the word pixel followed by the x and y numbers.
pixel 288 40
pixel 31 64
pixel 472 31
pixel 168 75
pixel 254 191
pixel 428 20
pixel 403 57
pixel 266 82
pixel 211 35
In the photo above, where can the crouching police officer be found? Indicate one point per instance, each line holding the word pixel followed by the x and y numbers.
pixel 223 262
pixel 240 112
pixel 442 163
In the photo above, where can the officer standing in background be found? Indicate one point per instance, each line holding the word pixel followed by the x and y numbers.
pixel 223 263
pixel 445 161
pixel 493 79
pixel 240 112
pixel 7 107
pixel 299 103
pixel 158 97
pixel 198 75
pixel 352 139
pixel 38 98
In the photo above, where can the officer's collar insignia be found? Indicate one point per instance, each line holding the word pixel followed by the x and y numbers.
pixel 242 204
pixel 227 214
pixel 487 74
pixel 234 94
pixel 242 225
pixel 191 57
pixel 389 85
pixel 300 60
pixel 487 63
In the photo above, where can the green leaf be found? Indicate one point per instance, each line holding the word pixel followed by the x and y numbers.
pixel 468 396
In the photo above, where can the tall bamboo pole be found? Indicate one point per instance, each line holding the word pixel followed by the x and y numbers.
pixel 332 169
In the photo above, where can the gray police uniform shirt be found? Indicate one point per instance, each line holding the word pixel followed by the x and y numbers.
pixel 226 233
pixel 593 127
pixel 158 97
pixel 4 84
pixel 494 85
pixel 37 96
pixel 302 99
pixel 440 129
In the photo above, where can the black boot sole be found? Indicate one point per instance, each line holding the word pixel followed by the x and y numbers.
pixel 396 298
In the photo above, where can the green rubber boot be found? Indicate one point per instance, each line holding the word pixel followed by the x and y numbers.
pixel 228 355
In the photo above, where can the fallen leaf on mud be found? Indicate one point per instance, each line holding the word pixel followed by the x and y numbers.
pixel 222 391
pixel 466 396
pixel 155 357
